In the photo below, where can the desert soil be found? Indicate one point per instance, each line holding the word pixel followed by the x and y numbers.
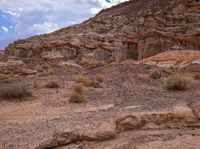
pixel 126 89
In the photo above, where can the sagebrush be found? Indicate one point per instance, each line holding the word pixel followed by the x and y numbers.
pixel 52 84
pixel 15 91
pixel 155 74
pixel 84 80
pixel 77 95
pixel 178 82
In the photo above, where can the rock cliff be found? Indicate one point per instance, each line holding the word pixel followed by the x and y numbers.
pixel 136 29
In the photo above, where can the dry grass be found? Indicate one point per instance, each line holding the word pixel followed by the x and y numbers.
pixel 155 74
pixel 196 76
pixel 39 85
pixel 84 80
pixel 169 70
pixel 15 91
pixel 88 83
pixel 178 82
pixel 52 84
pixel 78 89
pixel 99 78
pixel 77 96
pixel 94 65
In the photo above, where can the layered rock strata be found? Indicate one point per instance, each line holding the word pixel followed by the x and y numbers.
pixel 136 29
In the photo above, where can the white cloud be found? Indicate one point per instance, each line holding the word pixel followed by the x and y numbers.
pixel 45 27
pixel 95 10
pixel 5 29
pixel 103 4
pixel 14 7
pixel 71 22
pixel 31 17
pixel 10 12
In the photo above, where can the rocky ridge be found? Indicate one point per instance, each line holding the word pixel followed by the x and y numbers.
pixel 136 29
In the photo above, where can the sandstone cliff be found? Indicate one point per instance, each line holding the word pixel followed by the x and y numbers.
pixel 136 29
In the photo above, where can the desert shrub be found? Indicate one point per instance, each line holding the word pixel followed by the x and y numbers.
pixel 88 83
pixel 78 89
pixel 80 79
pixel 77 96
pixel 52 84
pixel 169 70
pixel 155 74
pixel 14 91
pixel 94 65
pixel 84 80
pixel 197 76
pixel 97 84
pixel 39 84
pixel 99 78
pixel 178 82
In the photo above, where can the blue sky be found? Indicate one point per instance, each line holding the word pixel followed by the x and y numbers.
pixel 23 18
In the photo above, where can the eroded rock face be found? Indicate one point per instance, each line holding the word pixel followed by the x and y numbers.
pixel 136 29
pixel 11 66
pixel 179 59
pixel 2 57
pixel 181 117
pixel 103 132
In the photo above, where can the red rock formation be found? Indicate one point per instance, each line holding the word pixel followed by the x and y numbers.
pixel 131 30
pixel 2 57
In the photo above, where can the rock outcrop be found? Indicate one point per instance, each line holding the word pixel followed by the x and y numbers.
pixel 180 117
pixel 136 29
pixel 2 57
pixel 179 59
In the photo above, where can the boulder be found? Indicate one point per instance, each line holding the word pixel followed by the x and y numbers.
pixel 103 131
pixel 58 139
pixel 26 71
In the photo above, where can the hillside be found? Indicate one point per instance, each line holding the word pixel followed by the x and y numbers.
pixel 128 78
pixel 132 30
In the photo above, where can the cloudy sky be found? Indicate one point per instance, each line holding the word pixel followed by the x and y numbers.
pixel 23 18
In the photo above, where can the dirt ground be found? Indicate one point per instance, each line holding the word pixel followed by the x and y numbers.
pixel 126 89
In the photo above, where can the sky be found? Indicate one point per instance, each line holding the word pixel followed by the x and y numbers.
pixel 20 19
